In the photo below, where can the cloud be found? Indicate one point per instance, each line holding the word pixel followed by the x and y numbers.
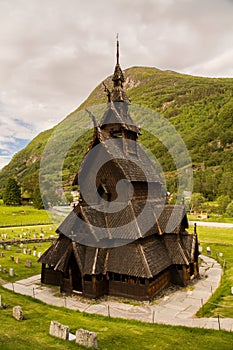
pixel 53 53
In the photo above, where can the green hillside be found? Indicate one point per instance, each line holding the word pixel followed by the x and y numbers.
pixel 201 109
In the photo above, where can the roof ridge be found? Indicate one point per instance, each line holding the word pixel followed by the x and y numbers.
pixel 182 251
pixel 95 261
pixel 145 263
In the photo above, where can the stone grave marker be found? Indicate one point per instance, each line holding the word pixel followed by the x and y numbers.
pixel 34 252
pixel 59 330
pixel 18 251
pixel 9 247
pixel 17 313
pixel 11 272
pixel 12 258
pixel 86 338
pixel 1 255
pixel 28 263
pixel 17 260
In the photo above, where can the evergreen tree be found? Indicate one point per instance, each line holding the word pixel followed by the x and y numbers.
pixel 12 193
pixel 37 200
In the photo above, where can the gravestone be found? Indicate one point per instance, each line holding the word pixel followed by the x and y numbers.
pixel 208 250
pixel 11 272
pixel 17 260
pixel 12 258
pixel 18 313
pixel 9 247
pixel 59 330
pixel 25 251
pixel 1 255
pixel 86 338
pixel 34 252
pixel 18 251
pixel 28 263
pixel 39 254
pixel 0 268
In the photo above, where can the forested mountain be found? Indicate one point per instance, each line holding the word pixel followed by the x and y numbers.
pixel 201 110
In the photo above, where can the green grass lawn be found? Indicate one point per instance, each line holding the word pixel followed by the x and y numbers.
pixel 221 243
pixel 22 216
pixel 212 218
pixel 32 333
pixel 215 234
pixel 20 270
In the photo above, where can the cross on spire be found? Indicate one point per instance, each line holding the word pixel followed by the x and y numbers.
pixel 117 54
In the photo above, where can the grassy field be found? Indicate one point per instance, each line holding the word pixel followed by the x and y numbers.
pixel 213 218
pixel 22 252
pixel 215 234
pixel 32 333
pixel 220 242
pixel 22 216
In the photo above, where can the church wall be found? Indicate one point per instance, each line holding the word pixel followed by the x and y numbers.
pixel 49 276
pixel 95 288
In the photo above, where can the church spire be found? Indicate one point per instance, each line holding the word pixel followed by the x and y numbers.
pixel 118 77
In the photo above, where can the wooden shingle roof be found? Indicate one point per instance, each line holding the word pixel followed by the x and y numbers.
pixel 95 227
pixel 58 253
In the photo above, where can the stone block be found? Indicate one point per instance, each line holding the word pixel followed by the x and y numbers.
pixel 18 313
pixel 59 330
pixel 86 338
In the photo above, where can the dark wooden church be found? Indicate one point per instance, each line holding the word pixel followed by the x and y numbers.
pixel 120 240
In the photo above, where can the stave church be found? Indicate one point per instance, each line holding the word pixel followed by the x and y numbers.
pixel 121 239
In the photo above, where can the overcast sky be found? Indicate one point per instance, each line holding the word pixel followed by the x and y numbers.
pixel 53 53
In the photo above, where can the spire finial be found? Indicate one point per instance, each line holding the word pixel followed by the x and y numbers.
pixel 117 54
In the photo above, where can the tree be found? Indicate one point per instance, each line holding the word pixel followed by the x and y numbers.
pixel 223 202
pixel 37 200
pixel 229 210
pixel 12 193
pixel 197 201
